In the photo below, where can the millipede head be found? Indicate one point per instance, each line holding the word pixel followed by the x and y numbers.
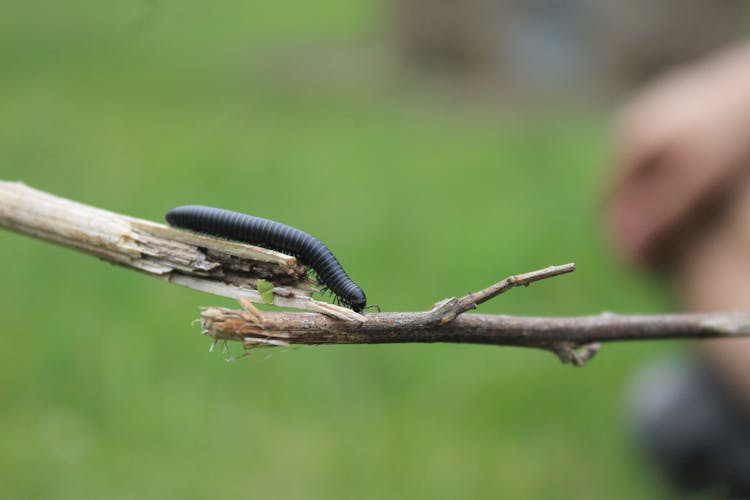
pixel 358 300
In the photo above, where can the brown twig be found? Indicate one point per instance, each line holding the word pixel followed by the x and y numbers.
pixel 448 309
pixel 573 339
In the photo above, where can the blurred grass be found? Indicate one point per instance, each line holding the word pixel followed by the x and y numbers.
pixel 106 389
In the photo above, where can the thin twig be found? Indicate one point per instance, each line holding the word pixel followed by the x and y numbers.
pixel 447 310
pixel 574 339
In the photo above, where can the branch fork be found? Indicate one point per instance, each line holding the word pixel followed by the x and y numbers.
pixel 270 329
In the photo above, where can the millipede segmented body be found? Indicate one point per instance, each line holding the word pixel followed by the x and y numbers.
pixel 274 236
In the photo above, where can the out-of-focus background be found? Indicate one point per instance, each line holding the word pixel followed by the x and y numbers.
pixel 436 147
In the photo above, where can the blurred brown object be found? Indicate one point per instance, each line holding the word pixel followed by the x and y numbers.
pixel 456 34
pixel 681 202
pixel 562 43
pixel 713 274
pixel 643 37
pixel 682 157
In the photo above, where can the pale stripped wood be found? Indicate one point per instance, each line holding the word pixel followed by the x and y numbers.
pixel 202 262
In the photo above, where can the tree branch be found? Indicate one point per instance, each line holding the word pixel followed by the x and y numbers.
pixel 233 269
pixel 574 339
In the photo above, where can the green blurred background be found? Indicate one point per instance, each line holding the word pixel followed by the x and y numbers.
pixel 287 110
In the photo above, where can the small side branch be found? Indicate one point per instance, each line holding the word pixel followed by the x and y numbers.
pixel 447 310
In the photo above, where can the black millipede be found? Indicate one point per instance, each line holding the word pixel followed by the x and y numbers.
pixel 274 236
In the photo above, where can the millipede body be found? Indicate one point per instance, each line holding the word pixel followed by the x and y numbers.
pixel 275 236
